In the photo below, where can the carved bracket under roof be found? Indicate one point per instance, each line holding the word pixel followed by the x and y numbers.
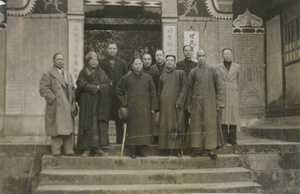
pixel 21 11
pixel 247 20
pixel 213 8
pixel 248 23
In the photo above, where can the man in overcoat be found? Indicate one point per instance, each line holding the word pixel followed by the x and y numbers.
pixel 206 94
pixel 56 86
pixel 229 72
pixel 115 68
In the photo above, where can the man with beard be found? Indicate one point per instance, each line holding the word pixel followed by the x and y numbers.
pixel 136 92
pixel 171 93
pixel 206 95
pixel 92 94
pixel 114 68
pixel 154 73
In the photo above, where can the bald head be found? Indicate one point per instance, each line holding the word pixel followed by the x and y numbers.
pixel 201 57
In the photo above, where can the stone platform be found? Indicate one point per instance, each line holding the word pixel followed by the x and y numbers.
pixel 26 163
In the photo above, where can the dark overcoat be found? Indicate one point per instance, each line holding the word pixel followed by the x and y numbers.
pixel 230 114
pixel 186 65
pixel 94 106
pixel 206 92
pixel 154 73
pixel 171 91
pixel 137 93
pixel 61 108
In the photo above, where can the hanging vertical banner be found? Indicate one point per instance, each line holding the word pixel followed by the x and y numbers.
pixel 170 39
pixel 192 38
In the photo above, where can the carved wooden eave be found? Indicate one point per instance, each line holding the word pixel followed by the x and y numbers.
pixel 21 11
pixel 248 23
pixel 214 12
pixel 144 3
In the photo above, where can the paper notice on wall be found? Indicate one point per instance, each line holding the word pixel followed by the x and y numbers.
pixel 170 39
pixel 192 38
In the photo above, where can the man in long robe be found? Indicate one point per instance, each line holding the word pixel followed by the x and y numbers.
pixel 206 95
pixel 114 68
pixel 56 86
pixel 93 92
pixel 171 92
pixel 186 65
pixel 154 73
pixel 136 92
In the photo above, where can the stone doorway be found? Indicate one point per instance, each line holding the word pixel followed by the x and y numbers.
pixel 136 30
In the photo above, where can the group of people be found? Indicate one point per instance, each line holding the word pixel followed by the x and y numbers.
pixel 179 106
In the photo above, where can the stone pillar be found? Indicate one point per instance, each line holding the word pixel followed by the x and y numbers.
pixel 2 77
pixel 76 37
pixel 169 27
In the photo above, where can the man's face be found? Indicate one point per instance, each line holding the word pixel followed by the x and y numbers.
pixel 227 55
pixel 137 65
pixel 93 62
pixel 159 56
pixel 201 57
pixel 147 60
pixel 59 61
pixel 112 49
pixel 188 52
pixel 170 62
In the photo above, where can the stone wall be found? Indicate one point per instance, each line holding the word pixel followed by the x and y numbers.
pixel 31 43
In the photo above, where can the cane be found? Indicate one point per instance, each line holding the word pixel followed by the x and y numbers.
pixel 124 137
pixel 124 115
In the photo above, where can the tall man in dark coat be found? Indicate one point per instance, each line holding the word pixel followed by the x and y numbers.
pixel 56 86
pixel 114 68
pixel 206 95
pixel 186 65
pixel 136 91
pixel 229 72
pixel 171 92
pixel 154 73
pixel 93 97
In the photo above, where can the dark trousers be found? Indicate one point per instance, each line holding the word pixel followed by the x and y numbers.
pixel 229 134
pixel 115 106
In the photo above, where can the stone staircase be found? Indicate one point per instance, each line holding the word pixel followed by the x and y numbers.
pixel 151 174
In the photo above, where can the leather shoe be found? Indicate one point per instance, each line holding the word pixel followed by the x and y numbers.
pixel 213 156
pixel 133 156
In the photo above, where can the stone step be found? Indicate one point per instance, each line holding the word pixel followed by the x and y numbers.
pixel 139 163
pixel 152 150
pixel 117 177
pixel 284 132
pixel 228 187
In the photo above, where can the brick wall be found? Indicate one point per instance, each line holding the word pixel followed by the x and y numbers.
pixel 249 53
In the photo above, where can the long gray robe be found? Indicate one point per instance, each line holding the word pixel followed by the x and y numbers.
pixel 94 107
pixel 206 92
pixel 171 91
pixel 141 99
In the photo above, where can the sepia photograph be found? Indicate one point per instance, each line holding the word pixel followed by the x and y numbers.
pixel 149 96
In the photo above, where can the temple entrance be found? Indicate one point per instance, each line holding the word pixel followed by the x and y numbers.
pixel 136 30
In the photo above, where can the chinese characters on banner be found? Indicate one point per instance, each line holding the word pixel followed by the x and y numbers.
pixel 170 40
pixel 75 49
pixel 192 38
